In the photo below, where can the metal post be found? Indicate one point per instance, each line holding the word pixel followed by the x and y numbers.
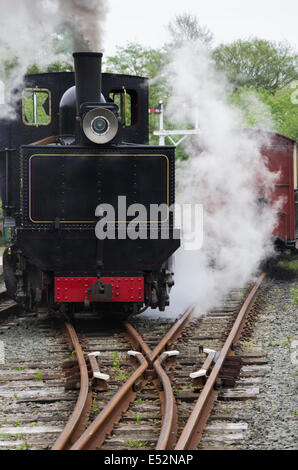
pixel 161 136
pixel 34 107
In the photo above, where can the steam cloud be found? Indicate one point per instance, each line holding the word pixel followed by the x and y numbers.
pixel 28 29
pixel 222 173
pixel 85 21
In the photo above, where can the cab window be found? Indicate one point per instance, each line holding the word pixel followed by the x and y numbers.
pixel 126 102
pixel 36 107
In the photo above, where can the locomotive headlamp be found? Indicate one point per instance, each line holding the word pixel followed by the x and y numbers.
pixel 100 125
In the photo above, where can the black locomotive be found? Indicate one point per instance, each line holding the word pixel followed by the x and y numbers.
pixel 90 146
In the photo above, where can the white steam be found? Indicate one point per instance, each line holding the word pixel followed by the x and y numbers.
pixel 30 31
pixel 85 21
pixel 222 173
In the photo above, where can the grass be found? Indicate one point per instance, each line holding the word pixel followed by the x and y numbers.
pixel 286 267
pixel 116 363
pixel 38 375
pixel 138 418
pixel 94 407
pixel 135 444
pixel 121 376
pixel 294 296
pixel 24 446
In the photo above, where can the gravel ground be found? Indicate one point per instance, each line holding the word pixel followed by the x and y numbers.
pixel 273 418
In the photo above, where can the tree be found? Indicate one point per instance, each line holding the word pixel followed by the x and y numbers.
pixel 257 63
pixel 276 111
pixel 186 28
pixel 135 59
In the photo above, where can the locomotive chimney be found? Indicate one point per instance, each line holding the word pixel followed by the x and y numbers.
pixel 87 78
pixel 97 122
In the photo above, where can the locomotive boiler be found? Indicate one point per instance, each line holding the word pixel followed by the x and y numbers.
pixel 81 141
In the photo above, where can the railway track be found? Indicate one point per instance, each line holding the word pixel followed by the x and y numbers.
pixel 183 384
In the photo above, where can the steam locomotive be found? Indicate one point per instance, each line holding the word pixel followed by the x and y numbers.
pixel 80 141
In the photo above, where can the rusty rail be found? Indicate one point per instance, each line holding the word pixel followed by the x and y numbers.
pixel 96 433
pixel 169 337
pixel 192 432
pixel 168 431
pixel 78 420
pixel 75 438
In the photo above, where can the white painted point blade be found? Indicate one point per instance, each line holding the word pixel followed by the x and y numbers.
pixel 198 373
pixel 133 353
pixel 101 376
pixel 94 354
pixel 209 351
pixel 172 353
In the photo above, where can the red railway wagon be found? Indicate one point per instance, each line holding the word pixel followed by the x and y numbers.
pixel 281 154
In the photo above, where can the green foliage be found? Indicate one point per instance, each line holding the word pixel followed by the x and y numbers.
pixel 24 446
pixel 134 59
pixel 257 63
pixel 294 295
pixel 116 363
pixel 38 376
pixel 268 109
pixel 185 28
pixel 135 444
pixel 28 104
pixel 94 407
pixel 121 376
pixel 260 71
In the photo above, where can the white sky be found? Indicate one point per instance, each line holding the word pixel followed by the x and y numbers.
pixel 145 21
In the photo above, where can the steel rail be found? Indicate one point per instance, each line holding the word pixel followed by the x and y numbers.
pixel 171 335
pixel 78 419
pixel 192 432
pixel 167 436
pixel 96 433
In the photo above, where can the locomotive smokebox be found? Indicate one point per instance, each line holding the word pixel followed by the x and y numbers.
pixel 88 78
